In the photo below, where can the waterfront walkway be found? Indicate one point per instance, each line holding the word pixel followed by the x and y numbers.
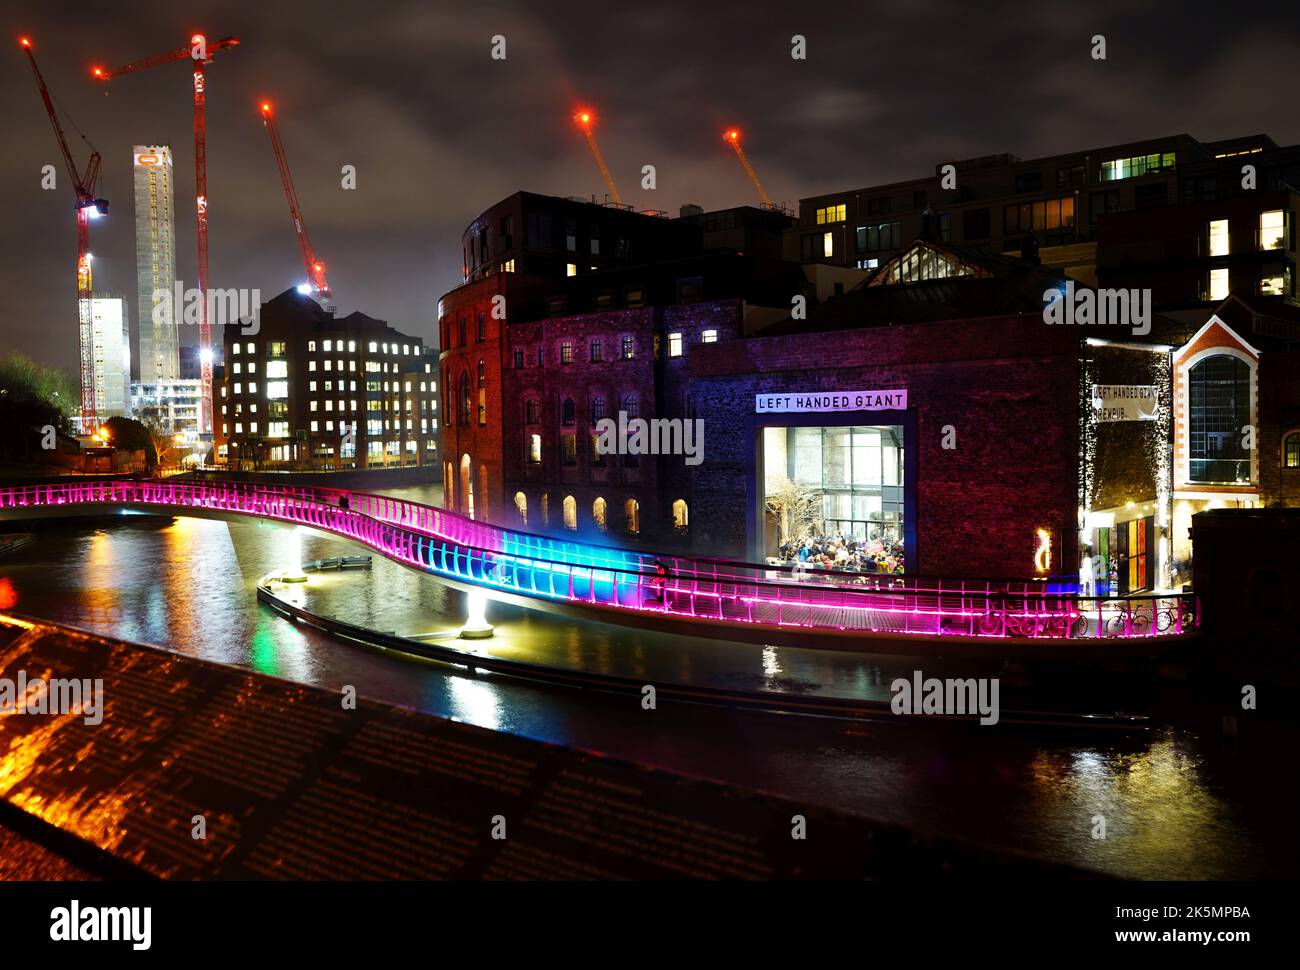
pixel 698 595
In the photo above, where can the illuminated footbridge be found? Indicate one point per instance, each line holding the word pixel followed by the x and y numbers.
pixel 692 595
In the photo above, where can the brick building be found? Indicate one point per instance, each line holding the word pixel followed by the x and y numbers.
pixel 542 272
pixel 290 394
pixel 936 407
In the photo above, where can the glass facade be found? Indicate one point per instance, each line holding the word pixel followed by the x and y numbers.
pixel 1219 412
pixel 835 488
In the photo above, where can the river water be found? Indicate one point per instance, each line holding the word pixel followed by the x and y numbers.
pixel 1178 802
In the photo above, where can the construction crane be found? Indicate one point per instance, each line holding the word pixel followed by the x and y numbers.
pixel 88 207
pixel 586 120
pixel 200 52
pixel 732 137
pixel 315 268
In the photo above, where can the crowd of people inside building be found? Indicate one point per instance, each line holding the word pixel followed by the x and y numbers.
pixel 882 553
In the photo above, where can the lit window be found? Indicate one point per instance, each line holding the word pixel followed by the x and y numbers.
pixel 1274 285
pixel 277 368
pixel 277 390
pixel 828 244
pixel 1219 284
pixel 1291 450
pixel 329 345
pixel 1272 229
pixel 570 505
pixel 571 269
pixel 535 449
pixel 674 345
pixel 628 348
pixel 1219 245
pixel 709 336
pixel 598 511
pixel 373 346
pixel 833 213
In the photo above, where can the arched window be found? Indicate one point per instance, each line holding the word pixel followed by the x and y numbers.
pixel 546 510
pixel 567 412
pixel 532 411
pixel 680 520
pixel 1291 451
pixel 482 392
pixel 460 330
pixel 597 408
pixel 1218 412
pixel 467 485
pixel 484 507
pixel 632 515
pixel 521 507
pixel 630 405
pixel 570 513
pixel 466 402
pixel 598 513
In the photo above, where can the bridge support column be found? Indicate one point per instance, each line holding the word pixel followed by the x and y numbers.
pixel 476 625
pixel 293 557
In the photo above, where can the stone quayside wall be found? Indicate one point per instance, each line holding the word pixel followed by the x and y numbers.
pixel 292 786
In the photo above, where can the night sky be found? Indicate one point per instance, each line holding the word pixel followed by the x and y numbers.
pixel 438 131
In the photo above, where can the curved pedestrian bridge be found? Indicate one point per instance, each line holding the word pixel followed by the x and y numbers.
pixel 694 595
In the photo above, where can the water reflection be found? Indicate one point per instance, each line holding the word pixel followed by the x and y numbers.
pixel 1176 805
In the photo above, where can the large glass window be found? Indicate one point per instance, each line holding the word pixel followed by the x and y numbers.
pixel 1045 214
pixel 1218 414
pixel 835 493
pixel 1127 168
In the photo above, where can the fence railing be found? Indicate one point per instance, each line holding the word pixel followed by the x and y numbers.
pixel 609 579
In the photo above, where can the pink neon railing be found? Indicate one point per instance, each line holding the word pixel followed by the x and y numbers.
pixel 450 545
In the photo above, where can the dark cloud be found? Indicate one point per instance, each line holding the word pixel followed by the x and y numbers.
pixel 407 93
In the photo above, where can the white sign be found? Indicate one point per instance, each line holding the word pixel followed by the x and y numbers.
pixel 1124 402
pixel 831 401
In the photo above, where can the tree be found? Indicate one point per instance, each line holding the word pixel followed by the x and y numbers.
pixel 796 509
pixel 128 434
pixel 32 398
pixel 54 387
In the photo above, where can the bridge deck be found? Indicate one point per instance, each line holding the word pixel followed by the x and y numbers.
pixel 710 596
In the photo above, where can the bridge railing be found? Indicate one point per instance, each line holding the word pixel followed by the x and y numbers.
pixel 478 554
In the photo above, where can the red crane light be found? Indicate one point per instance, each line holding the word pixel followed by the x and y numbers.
pixel 315 269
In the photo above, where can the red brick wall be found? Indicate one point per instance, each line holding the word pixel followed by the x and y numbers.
pixel 1006 385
